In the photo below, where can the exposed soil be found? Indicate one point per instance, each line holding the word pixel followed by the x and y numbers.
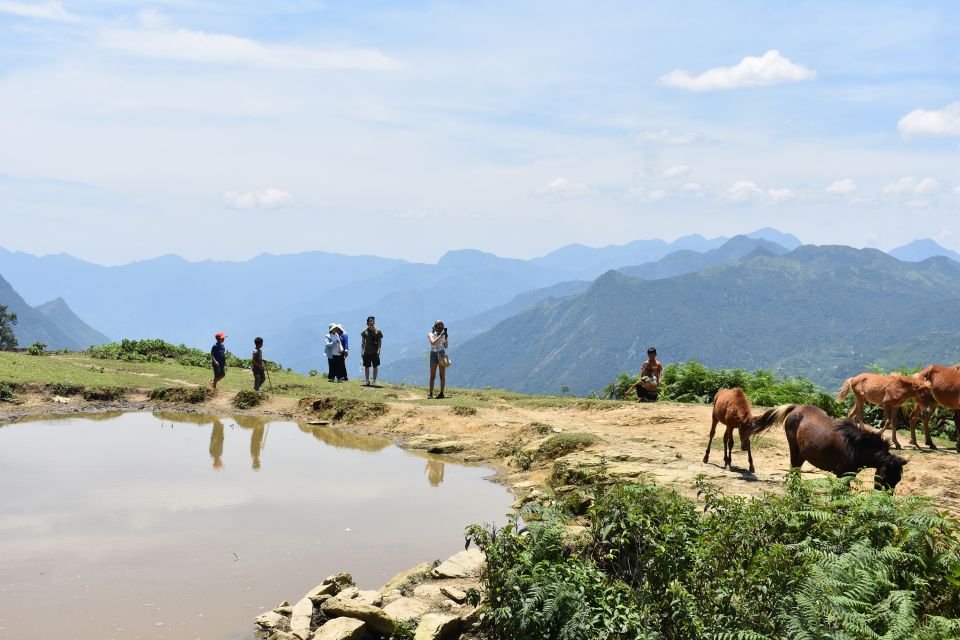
pixel 664 441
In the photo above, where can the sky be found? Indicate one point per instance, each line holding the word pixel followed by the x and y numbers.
pixel 222 130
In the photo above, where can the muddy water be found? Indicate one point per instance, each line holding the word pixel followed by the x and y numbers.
pixel 181 526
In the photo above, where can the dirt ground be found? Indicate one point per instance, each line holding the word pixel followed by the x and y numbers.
pixel 664 441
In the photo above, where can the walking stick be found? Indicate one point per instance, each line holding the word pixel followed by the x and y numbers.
pixel 266 370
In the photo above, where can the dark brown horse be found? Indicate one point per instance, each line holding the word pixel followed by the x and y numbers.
pixel 732 408
pixel 836 446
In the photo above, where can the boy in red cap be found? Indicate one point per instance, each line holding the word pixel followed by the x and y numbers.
pixel 218 358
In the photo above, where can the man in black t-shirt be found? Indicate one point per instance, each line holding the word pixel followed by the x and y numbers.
pixel 370 341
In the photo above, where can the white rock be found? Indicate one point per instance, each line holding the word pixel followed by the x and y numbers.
pixel 428 592
pixel 341 629
pixel 466 564
pixel 369 597
pixel 301 617
pixel 270 620
pixel 404 609
pixel 348 594
pixel 454 594
pixel 435 626
pixel 321 592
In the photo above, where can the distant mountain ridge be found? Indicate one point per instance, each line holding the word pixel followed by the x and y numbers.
pixel 822 312
pixel 52 323
pixel 922 249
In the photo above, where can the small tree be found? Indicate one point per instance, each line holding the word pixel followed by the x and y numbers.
pixel 7 320
pixel 37 349
pixel 564 390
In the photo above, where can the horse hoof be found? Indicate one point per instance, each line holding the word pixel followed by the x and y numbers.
pixel 897 445
pixel 706 459
pixel 931 445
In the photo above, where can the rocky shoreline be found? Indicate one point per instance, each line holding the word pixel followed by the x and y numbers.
pixel 426 602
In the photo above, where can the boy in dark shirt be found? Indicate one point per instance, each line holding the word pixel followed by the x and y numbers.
pixel 370 341
pixel 259 371
pixel 218 358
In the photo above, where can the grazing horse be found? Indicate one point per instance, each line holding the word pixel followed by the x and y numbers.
pixel 944 389
pixel 732 408
pixel 889 391
pixel 836 446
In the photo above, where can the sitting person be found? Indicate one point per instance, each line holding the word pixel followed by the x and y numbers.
pixel 647 387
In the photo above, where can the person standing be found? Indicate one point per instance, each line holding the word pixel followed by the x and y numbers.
pixel 439 343
pixel 218 359
pixel 345 341
pixel 332 348
pixel 370 341
pixel 257 364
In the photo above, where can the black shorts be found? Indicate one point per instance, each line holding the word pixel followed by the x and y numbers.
pixel 218 371
pixel 434 358
pixel 371 360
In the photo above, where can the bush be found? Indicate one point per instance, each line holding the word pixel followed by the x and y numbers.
pixel 192 395
pixel 247 398
pixel 37 349
pixel 564 443
pixel 106 394
pixel 65 389
pixel 8 393
pixel 821 561
pixel 155 350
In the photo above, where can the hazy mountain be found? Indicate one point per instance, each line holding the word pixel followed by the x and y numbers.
pixel 822 312
pixel 921 250
pixel 52 323
pixel 787 240
pixel 680 262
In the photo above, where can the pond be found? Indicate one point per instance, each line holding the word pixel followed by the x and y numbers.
pixel 159 525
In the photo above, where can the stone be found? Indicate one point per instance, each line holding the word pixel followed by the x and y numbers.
pixel 390 596
pixel 301 617
pixel 348 594
pixel 415 575
pixel 322 592
pixel 270 620
pixel 284 611
pixel 281 635
pixel 436 626
pixel 466 564
pixel 379 621
pixel 428 592
pixel 341 629
pixel 371 597
pixel 60 400
pixel 454 594
pixel 340 579
pixel 404 609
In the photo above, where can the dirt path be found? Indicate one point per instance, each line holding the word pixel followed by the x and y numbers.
pixel 664 441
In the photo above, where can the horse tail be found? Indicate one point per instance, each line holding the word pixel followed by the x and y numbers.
pixel 844 389
pixel 770 418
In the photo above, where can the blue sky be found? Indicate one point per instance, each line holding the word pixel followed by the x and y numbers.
pixel 225 129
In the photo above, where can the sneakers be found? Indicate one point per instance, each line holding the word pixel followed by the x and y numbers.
pixel 440 396
pixel 430 396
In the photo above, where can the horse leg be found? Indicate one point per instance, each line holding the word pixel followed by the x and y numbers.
pixel 796 458
pixel 859 409
pixel 913 423
pixel 728 447
pixel 956 424
pixel 890 418
pixel 750 455
pixel 713 432
pixel 927 440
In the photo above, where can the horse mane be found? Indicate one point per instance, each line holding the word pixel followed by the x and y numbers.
pixel 863 443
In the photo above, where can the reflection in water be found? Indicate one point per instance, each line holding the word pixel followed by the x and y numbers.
pixel 345 439
pixel 257 440
pixel 216 444
pixel 434 472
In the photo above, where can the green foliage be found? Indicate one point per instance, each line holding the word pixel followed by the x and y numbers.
pixel 65 389
pixel 247 398
pixel 824 560
pixel 7 320
pixel 693 382
pixel 8 393
pixel 192 395
pixel 37 349
pixel 156 350
pixel 106 394
pixel 563 443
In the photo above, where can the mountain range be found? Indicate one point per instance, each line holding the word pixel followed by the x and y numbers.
pixel 52 323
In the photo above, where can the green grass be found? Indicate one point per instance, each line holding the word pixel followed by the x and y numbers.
pixel 564 443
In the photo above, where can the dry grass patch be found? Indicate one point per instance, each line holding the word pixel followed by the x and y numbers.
pixel 343 409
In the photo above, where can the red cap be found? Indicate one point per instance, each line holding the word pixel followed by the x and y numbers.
pixel 219 335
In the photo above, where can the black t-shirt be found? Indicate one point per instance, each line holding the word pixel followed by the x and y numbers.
pixel 371 341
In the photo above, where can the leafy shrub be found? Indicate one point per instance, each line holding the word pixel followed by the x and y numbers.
pixel 247 398
pixel 192 395
pixel 65 389
pixel 155 350
pixel 106 394
pixel 464 411
pixel 342 409
pixel 563 443
pixel 824 560
pixel 37 349
pixel 8 392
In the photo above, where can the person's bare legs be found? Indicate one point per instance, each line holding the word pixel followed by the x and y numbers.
pixel 433 376
pixel 443 379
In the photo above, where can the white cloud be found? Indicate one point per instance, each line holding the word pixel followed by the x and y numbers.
pixel 781 195
pixel 675 172
pixel 918 203
pixel 769 69
pixel 666 136
pixel 842 187
pixel 742 191
pixel 43 11
pixel 642 194
pixel 691 187
pixel 956 190
pixel 269 198
pixel 920 122
pixel 220 48
pixel 910 186
pixel 563 189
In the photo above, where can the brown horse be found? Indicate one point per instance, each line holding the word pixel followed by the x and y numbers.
pixel 836 446
pixel 732 408
pixel 944 389
pixel 889 391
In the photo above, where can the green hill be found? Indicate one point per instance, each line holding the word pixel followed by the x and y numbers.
pixel 820 312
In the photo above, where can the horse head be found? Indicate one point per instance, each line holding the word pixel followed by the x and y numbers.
pixel 889 473
pixel 923 390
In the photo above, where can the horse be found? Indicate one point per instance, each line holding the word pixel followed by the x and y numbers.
pixel 838 446
pixel 889 391
pixel 732 408
pixel 944 389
